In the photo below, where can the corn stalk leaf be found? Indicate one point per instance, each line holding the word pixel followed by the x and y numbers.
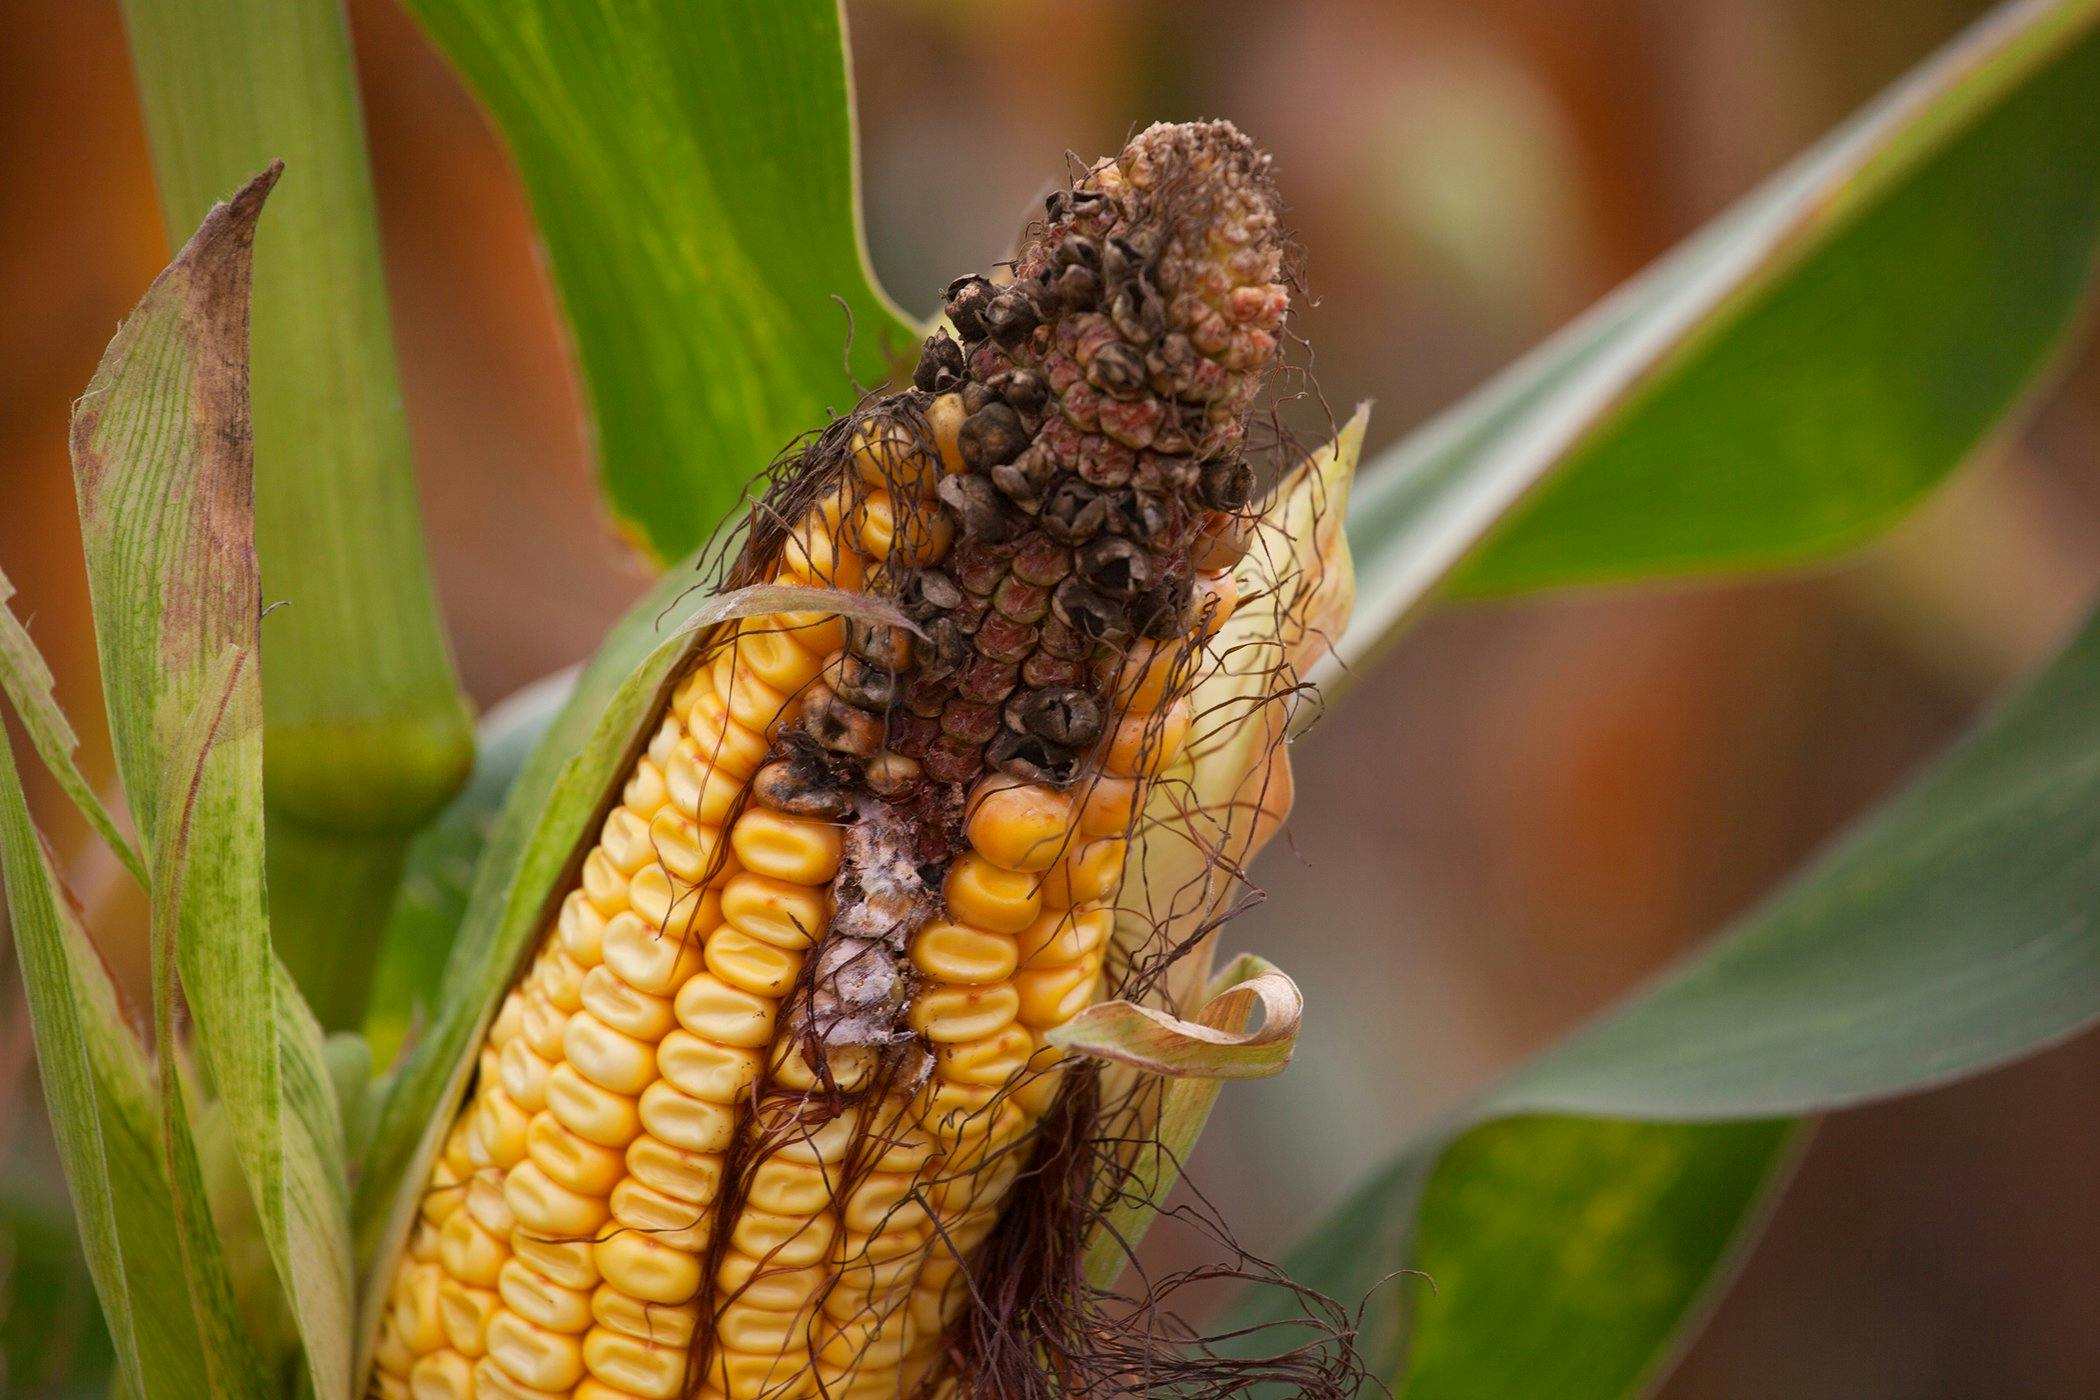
pixel 1222 1042
pixel 1793 378
pixel 1572 1218
pixel 99 1092
pixel 164 471
pixel 368 735
pixel 692 168
pixel 52 1338
pixel 27 682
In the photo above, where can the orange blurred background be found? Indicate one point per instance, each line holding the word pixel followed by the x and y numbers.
pixel 1523 811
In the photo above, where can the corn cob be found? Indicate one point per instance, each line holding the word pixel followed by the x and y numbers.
pixel 740 1126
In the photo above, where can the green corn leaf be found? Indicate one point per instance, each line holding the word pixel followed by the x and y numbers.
pixel 26 681
pixel 368 735
pixel 1572 1218
pixel 53 1342
pixel 163 469
pixel 692 168
pixel 1793 378
pixel 99 1092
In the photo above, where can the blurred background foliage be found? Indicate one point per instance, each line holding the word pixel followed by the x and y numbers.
pixel 1551 798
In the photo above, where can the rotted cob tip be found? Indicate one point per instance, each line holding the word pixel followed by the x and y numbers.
pixel 743 1126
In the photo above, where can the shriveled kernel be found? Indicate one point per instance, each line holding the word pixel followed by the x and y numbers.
pixel 647 960
pixel 572 1161
pixel 548 1210
pixel 782 912
pixel 714 1010
pixel 541 1023
pixel 486 1204
pixel 560 978
pixel 887 456
pixel 708 1069
pixel 648 1269
pixel 538 1356
pixel 1021 826
pixel 745 962
pixel 812 556
pixel 802 850
pixel 537 1298
pixel 990 896
pixel 591 1112
pixel 644 792
pixel 947 1015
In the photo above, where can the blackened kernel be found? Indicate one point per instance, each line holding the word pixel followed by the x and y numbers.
pixel 1082 608
pixel 870 687
pixel 1228 485
pixel 975 395
pixel 1118 371
pixel 1010 316
pixel 1032 758
pixel 800 789
pixel 1074 512
pixel 964 302
pixel 1064 715
pixel 1027 477
pixel 1077 288
pixel 838 725
pixel 878 643
pixel 991 435
pixel 940 365
pixel 982 514
pixel 1138 312
pixel 1024 389
pixel 1165 473
pixel 1165 611
pixel 1118 567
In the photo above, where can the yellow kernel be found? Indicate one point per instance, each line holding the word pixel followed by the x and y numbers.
pixel 499 1125
pixel 445 1195
pixel 548 1210
pixel 648 960
pixel 604 884
pixel 849 1066
pixel 1142 745
pixel 666 1324
pixel 782 912
pixel 1087 873
pixel 579 928
pixel 1021 826
pixel 599 1115
pixel 888 456
pixel 510 1015
pixel 573 1162
pixel 637 1367
pixel 776 654
pixel 1216 597
pixel 684 1121
pixel 1108 805
pixel 673 1223
pixel 540 1024
pixel 625 840
pixel 639 1014
pixel 665 738
pixel 707 1069
pixel 1064 936
pixel 722 741
pixel 670 905
pixel 607 1058
pixel 566 1263
pixel 952 952
pixel 791 1241
pixel 444 1376
pixel 560 978
pixel 684 848
pixel 820 633
pixel 466 1312
pixel 945 417
pixel 867 1343
pixel 801 850
pixel 990 1060
pixel 1051 996
pixel 990 896
pixel 747 1375
pixel 758 968
pixel 885 1201
pixel 644 792
pixel 486 1204
pixel 946 1014
pixel 1146 673
pixel 492 1382
pixel 742 1278
pixel 537 1298
pixel 828 1142
pixel 789 1188
pixel 537 1356
pixel 392 1353
pixel 813 556
pixel 648 1269
pixel 523 1076
pixel 747 1327
pixel 752 703
pixel 692 1177
pixel 423 1242
pixel 714 1010
pixel 415 1309
pixel 1033 1092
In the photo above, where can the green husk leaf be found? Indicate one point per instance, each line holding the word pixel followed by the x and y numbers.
pixel 99 1093
pixel 1955 930
pixel 164 471
pixel 692 170
pixel 27 682
pixel 1792 379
